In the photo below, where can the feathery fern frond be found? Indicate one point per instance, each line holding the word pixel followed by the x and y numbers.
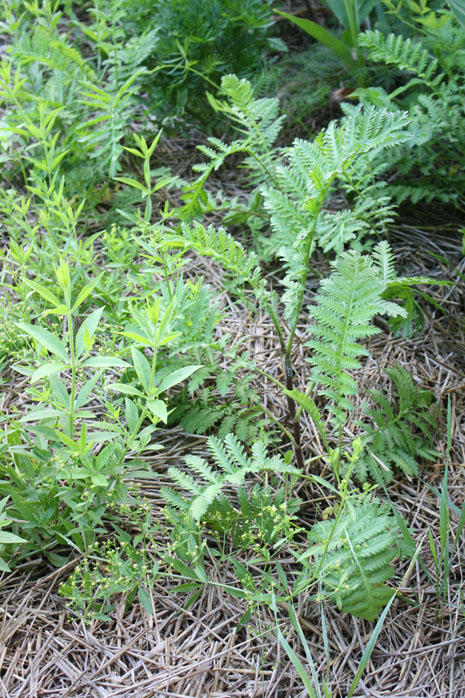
pixel 233 466
pixel 371 130
pixel 221 247
pixel 48 48
pixel 102 134
pixel 401 288
pixel 341 154
pixel 352 555
pixel 432 166
pixel 256 118
pixel 390 440
pixel 384 261
pixel 406 54
pixel 257 121
pixel 345 305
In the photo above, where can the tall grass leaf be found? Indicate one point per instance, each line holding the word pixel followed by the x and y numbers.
pixel 298 628
pixel 325 37
pixel 297 663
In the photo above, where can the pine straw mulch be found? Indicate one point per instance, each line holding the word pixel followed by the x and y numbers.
pixel 46 651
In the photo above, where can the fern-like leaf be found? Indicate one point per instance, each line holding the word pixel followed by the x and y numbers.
pixel 232 467
pixel 352 555
pixel 345 305
pixel 220 246
pixel 399 432
pixel 404 53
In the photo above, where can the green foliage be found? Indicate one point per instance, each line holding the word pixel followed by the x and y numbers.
pixel 341 154
pixel 233 466
pixel 226 400
pixel 6 537
pixel 69 114
pixel 263 517
pixel 296 185
pixel 258 122
pixel 198 42
pixel 219 246
pixel 431 166
pixel 110 356
pixel 339 47
pixel 400 432
pixel 66 469
pixel 345 305
pixel 114 568
pixel 352 555
pixel 304 81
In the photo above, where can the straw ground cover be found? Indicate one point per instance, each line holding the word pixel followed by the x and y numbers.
pixel 224 452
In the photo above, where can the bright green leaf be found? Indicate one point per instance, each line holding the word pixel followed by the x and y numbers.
pixel 46 339
pixel 105 362
pixel 177 377
pixel 143 370
pixel 6 538
pixel 47 370
pixel 99 480
pixel 158 408
pixel 146 601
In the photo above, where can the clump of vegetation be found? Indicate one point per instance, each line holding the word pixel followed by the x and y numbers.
pixel 121 281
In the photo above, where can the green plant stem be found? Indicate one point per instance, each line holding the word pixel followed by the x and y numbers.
pixel 72 397
pixel 294 416
pixel 262 165
pixel 296 438
pixel 278 423
pixel 167 279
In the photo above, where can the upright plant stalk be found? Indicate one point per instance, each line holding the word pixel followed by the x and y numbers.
pixel 294 414
pixel 72 396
